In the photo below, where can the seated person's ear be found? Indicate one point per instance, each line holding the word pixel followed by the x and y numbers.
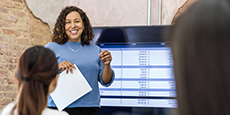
pixel 15 80
pixel 53 84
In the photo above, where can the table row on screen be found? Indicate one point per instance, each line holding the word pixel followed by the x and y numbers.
pixel 124 102
pixel 135 56
pixel 142 84
pixel 143 93
pixel 154 73
pixel 139 88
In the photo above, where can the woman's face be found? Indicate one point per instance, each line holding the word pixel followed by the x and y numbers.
pixel 74 26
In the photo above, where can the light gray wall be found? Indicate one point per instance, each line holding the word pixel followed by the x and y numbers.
pixel 109 12
pixel 114 12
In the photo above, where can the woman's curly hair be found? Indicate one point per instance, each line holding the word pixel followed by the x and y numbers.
pixel 59 35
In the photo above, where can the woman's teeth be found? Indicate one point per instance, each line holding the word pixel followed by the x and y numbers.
pixel 75 31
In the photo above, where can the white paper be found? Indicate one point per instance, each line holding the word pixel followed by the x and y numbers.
pixel 70 87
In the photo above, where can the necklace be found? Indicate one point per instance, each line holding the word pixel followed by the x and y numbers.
pixel 73 49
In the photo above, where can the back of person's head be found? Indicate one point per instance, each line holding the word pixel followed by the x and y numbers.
pixel 37 68
pixel 201 52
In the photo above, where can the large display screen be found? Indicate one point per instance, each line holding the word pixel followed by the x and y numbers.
pixel 142 63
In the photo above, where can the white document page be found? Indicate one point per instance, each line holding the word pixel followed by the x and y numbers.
pixel 70 87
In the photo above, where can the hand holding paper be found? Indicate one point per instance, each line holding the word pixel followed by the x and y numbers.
pixel 70 87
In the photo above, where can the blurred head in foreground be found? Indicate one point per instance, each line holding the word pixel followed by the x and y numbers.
pixel 36 76
pixel 200 42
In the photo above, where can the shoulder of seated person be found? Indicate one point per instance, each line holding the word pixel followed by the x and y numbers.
pixel 48 111
pixel 7 109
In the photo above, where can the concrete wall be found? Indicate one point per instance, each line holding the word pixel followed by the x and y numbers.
pixel 110 12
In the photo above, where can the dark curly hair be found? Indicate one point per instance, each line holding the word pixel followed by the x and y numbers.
pixel 59 35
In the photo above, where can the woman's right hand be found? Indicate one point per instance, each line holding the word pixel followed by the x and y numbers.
pixel 65 65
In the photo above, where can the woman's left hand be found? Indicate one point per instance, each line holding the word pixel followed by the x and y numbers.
pixel 105 57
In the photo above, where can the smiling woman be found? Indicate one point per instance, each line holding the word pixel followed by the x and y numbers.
pixel 74 26
pixel 71 44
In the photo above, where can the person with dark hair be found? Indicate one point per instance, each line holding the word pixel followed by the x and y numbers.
pixel 71 43
pixel 36 76
pixel 201 53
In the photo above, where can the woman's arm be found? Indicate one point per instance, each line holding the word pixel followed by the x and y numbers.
pixel 107 74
